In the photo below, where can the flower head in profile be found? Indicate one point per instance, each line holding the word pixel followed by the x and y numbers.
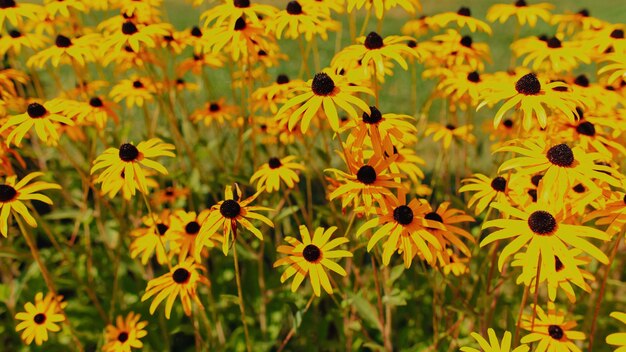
pixel 126 334
pixel 450 132
pixel 550 330
pixel 462 18
pixel 311 257
pixel 522 10
pixel 494 344
pixel 128 160
pixel 39 318
pixel 326 91
pixel 182 280
pixel 227 215
pixel 44 119
pixel 67 51
pixel 299 18
pixel 486 190
pixel 14 193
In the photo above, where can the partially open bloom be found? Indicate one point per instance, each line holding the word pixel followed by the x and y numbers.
pixel 271 173
pixel 311 257
pixel 39 318
pixel 182 280
pixel 14 193
pixel 126 334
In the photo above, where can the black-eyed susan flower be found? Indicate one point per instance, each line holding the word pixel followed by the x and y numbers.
pixel 128 160
pixel 232 10
pixel 551 55
pixel 373 51
pixel 134 35
pixel 14 193
pixel 494 344
pixel 39 318
pixel 16 40
pixel 327 91
pixel 154 238
pixel 269 97
pixel 615 69
pixel 15 12
pixel 462 18
pixel 241 39
pixel 365 183
pixel 126 334
pixel 64 8
pixel 530 96
pixel 525 12
pixel 218 112
pixel 182 280
pixel 551 331
pixel 270 174
pixel 382 6
pixel 226 215
pixel 66 50
pixel 563 167
pixel 449 132
pixel 569 22
pixel 300 20
pixel 198 62
pixel 543 228
pixel 311 257
pixel 612 214
pixel 455 49
pixel 462 86
pixel 134 91
pixel 44 119
pixel 619 338
pixel 486 190
pixel 97 111
pixel 184 228
pixel 404 227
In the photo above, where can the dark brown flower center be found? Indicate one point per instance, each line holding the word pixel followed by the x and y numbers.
pixel 322 84
pixel 586 128
pixel 467 41
pixel 274 163
pixel 242 4
pixel 240 24
pixel 230 209
pixel 533 195
pixel 464 11
pixel 162 228
pixel 39 318
pixel 535 179
pixel 450 127
pixel 282 79
pixel 403 215
pixel 181 275
pixel 62 41
pixel 36 110
pixel 129 28
pixel 262 52
pixel 7 193
pixel 196 32
pixel 520 3
pixel 122 337
pixel 555 332
pixel 366 175
pixel 373 117
pixel 411 44
pixel 508 123
pixel 294 8
pixel 554 43
pixel 528 85
pixel 213 107
pixel 561 155
pixel 499 184
pixel 128 152
pixel 542 223
pixel 584 12
pixel 95 102
pixel 473 77
pixel 137 84
pixel 14 33
pixel 192 228
pixel 617 34
pixel 373 41
pixel 5 4
pixel 434 216
pixel 311 253
pixel 582 81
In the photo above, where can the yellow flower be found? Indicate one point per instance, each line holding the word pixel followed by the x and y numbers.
pixel 64 8
pixel 134 91
pixel 463 18
pixel 311 257
pixel 14 42
pixel 226 215
pixel 618 338
pixel 40 318
pixel 381 6
pixel 524 12
pixel 270 174
pixel 14 12
pixel 232 10
pixel 133 35
pixel 127 161
pixel 448 133
pixel 493 345
pixel 153 239
pixel 551 330
pixel 550 55
pixel 300 20
pixel 65 50
pixel 182 280
pixel 324 90
pixel 44 118
pixel 13 195
pixel 125 334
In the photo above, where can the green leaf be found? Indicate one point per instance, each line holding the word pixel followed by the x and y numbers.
pixel 366 310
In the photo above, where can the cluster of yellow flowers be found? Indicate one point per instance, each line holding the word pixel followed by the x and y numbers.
pixel 557 136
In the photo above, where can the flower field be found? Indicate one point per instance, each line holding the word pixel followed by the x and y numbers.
pixel 312 175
